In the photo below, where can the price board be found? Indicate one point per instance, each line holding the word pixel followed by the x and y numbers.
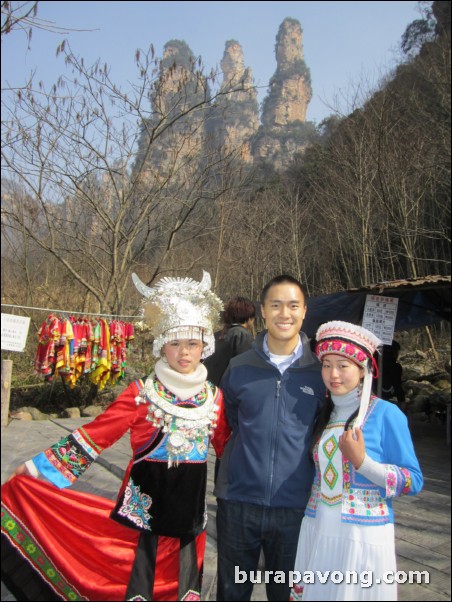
pixel 380 316
pixel 14 332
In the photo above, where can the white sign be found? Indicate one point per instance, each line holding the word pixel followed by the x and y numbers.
pixel 14 332
pixel 380 316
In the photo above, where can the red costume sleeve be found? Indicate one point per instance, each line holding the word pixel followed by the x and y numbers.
pixel 222 431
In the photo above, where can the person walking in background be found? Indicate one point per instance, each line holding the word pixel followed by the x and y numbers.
pixel 364 457
pixel 235 337
pixel 149 545
pixel 273 394
pixel 392 371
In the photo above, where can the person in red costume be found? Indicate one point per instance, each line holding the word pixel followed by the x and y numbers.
pixel 59 544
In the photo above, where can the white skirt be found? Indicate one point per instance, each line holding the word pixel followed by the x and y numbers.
pixel 341 561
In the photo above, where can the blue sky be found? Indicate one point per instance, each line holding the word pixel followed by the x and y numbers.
pixel 345 44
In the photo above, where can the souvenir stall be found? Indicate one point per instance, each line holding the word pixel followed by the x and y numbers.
pixel 75 346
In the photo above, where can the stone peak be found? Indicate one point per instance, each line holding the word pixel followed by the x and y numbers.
pixel 178 53
pixel 232 64
pixel 289 48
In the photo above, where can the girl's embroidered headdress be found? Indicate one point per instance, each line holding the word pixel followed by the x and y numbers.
pixel 358 345
pixel 181 308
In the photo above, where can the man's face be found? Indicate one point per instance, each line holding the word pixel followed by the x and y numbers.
pixel 284 310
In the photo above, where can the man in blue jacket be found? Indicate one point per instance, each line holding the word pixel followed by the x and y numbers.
pixel 273 394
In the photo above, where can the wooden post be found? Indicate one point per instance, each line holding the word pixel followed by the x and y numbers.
pixel 7 370
pixel 432 344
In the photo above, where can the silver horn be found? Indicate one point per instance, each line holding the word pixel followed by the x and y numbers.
pixel 146 291
pixel 206 282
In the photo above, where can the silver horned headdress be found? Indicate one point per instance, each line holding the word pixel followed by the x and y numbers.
pixel 181 308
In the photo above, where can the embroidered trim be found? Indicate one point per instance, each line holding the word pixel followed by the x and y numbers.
pixel 296 593
pixel 67 474
pixel 87 438
pixel 82 439
pixel 345 348
pixel 191 595
pixel 135 505
pixel 157 398
pixel 21 539
pixel 408 481
pixel 186 427
pixel 391 480
pixel 365 503
pixel 398 481
pixel 330 474
pixel 69 457
pixel 330 501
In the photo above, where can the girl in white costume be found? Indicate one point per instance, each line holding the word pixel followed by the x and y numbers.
pixel 364 457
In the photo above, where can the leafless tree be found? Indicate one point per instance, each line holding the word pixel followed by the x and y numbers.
pixel 101 212
pixel 19 15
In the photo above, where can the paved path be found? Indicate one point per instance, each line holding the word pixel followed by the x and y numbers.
pixel 422 522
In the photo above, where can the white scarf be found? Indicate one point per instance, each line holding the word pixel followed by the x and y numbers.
pixel 184 386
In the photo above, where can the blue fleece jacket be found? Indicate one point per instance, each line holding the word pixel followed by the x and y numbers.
pixel 271 415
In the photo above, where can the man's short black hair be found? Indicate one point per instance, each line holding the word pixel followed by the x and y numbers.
pixel 284 279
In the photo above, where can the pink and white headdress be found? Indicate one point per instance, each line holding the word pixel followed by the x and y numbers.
pixel 358 345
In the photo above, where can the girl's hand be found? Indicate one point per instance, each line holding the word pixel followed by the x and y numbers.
pixel 353 447
pixel 22 469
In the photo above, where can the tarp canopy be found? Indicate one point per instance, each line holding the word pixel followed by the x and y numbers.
pixel 422 302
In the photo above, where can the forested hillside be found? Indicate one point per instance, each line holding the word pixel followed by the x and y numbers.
pixel 368 200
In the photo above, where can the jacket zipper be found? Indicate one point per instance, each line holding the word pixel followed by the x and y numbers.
pixel 274 439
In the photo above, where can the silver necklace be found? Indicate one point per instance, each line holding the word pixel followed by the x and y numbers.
pixel 185 426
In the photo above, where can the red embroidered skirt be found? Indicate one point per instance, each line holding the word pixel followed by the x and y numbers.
pixel 59 544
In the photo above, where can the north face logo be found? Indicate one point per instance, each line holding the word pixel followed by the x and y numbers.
pixel 307 390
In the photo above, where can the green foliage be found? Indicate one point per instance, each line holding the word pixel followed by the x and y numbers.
pixel 381 175
pixel 441 12
pixel 416 34
pixel 290 71
pixel 300 132
pixel 435 22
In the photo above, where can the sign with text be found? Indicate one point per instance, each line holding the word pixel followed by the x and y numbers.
pixel 380 316
pixel 14 332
